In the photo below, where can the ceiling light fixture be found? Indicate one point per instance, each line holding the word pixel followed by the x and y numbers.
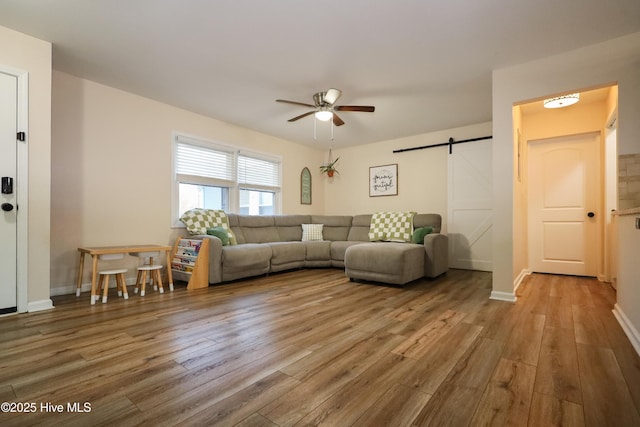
pixel 562 101
pixel 324 114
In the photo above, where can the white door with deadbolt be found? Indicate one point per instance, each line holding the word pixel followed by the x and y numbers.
pixel 564 201
pixel 8 212
pixel 470 206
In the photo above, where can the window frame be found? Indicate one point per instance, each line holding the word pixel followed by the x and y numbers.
pixel 233 186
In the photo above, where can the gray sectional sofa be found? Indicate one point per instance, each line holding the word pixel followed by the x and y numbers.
pixel 274 243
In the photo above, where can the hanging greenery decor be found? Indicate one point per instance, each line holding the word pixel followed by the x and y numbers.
pixel 329 168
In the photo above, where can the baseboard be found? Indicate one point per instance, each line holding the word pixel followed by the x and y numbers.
pixel 511 296
pixel 45 304
pixel 630 331
pixel 85 287
pixel 503 296
pixel 516 283
pixel 67 290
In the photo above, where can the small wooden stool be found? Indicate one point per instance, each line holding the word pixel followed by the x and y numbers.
pixel 121 285
pixel 154 272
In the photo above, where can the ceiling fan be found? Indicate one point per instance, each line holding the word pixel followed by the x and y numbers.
pixel 324 108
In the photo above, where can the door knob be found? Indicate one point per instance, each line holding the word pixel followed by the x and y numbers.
pixel 591 214
pixel 7 207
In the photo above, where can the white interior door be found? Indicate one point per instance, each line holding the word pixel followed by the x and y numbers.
pixel 470 209
pixel 564 201
pixel 8 225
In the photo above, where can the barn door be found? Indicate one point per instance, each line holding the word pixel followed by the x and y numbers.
pixel 470 209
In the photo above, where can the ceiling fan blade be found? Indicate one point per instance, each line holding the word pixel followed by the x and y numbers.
pixel 295 103
pixel 300 116
pixel 365 108
pixel 337 121
pixel 332 95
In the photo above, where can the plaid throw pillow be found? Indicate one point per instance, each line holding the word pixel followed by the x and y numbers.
pixel 391 226
pixel 198 221
pixel 312 232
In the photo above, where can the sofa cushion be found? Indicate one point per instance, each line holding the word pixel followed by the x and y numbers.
pixel 318 250
pixel 360 228
pixel 338 250
pixel 312 232
pixel 283 252
pixel 389 262
pixel 246 260
pixel 336 227
pixel 391 226
pixel 287 255
pixel 419 233
pixel 235 228
pixel 258 229
pixel 288 226
pixel 220 233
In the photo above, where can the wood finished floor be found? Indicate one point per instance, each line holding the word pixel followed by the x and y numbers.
pixel 311 348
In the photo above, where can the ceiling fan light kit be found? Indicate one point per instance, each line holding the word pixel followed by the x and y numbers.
pixel 324 114
pixel 324 107
pixel 561 101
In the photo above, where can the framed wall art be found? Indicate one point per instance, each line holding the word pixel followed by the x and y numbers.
pixel 305 186
pixel 383 180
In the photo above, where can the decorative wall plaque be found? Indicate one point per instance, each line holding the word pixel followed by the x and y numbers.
pixel 305 187
pixel 383 180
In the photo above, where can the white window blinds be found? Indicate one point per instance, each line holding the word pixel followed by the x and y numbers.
pixel 199 164
pixel 258 173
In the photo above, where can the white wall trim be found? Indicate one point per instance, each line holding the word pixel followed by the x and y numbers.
pixel 23 194
pixel 503 296
pixel 628 328
pixel 45 304
pixel 511 296
pixel 86 287
pixel 516 283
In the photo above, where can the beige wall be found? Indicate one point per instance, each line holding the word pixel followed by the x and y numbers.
pixel 613 61
pixel 111 169
pixel 33 56
pixel 422 174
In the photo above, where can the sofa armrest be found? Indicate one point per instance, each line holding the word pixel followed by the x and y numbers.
pixel 436 260
pixel 215 258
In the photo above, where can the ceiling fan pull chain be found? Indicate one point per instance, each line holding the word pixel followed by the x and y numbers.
pixel 332 129
pixel 315 121
pixel 330 153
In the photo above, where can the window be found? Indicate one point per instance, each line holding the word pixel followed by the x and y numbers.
pixel 254 202
pixel 203 196
pixel 259 181
pixel 216 176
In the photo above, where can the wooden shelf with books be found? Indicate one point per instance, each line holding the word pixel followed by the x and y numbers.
pixel 190 262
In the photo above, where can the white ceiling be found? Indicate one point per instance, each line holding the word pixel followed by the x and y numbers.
pixel 424 65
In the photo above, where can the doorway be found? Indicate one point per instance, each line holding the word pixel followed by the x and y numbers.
pixel 587 119
pixel 8 212
pixel 14 117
